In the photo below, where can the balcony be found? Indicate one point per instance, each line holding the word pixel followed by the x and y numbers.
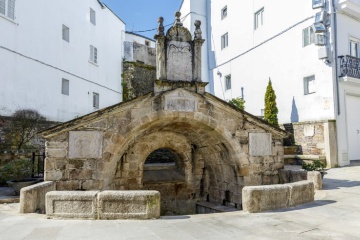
pixel 351 7
pixel 350 68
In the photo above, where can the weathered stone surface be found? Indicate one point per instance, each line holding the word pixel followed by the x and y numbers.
pixel 32 198
pixel 301 192
pixel 85 144
pixel 180 100
pixel 260 144
pixel 129 204
pixel 72 204
pixel 315 178
pixel 263 198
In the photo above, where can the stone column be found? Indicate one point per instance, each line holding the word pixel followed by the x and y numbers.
pixel 160 51
pixel 198 42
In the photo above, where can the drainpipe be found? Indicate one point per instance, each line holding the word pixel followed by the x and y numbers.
pixel 334 23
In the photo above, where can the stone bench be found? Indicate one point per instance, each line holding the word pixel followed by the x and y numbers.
pixel 289 176
pixel 32 198
pixel 272 197
pixel 103 205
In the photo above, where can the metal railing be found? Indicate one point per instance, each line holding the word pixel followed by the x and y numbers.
pixel 349 66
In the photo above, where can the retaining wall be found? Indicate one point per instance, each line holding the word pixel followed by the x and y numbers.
pixel 32 198
pixel 272 197
pixel 103 205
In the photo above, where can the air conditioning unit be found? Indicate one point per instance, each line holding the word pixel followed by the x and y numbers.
pixel 320 39
pixel 323 53
pixel 318 4
pixel 318 28
pixel 320 17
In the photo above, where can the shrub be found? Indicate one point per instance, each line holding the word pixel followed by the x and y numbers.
pixel 316 165
pixel 271 110
pixel 16 170
pixel 238 102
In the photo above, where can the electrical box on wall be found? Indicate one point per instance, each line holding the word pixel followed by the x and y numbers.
pixel 323 53
pixel 320 39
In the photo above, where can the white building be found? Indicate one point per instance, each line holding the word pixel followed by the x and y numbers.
pixel 60 57
pixel 249 42
pixel 138 48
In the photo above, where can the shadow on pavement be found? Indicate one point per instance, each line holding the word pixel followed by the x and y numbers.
pixel 317 203
pixel 332 184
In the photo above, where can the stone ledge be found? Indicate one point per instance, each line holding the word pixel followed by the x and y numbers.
pixel 129 204
pixel 32 198
pixel 103 205
pixel 72 204
pixel 272 197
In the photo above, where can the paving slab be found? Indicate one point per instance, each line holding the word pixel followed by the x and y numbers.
pixel 335 214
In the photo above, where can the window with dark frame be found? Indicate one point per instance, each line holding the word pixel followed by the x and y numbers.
pixel 224 41
pixel 227 82
pixel 96 100
pixel 224 12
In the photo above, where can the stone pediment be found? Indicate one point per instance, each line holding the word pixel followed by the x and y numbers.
pixel 178 33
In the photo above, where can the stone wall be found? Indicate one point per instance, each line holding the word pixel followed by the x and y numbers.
pixel 315 138
pixel 136 52
pixel 219 149
pixel 138 79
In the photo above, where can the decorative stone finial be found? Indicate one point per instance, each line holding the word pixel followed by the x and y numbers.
pixel 198 31
pixel 177 19
pixel 161 26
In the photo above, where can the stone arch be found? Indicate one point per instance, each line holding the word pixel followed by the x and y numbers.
pixel 208 146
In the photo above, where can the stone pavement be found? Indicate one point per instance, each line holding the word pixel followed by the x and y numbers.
pixel 334 215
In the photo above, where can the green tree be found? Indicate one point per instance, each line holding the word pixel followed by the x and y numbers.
pixel 271 109
pixel 238 102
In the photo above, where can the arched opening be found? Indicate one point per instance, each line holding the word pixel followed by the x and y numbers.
pixel 163 165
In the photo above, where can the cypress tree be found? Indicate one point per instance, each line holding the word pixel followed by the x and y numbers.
pixel 271 110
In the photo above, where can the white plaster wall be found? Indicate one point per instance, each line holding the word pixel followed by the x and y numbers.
pixel 129 37
pixel 37 33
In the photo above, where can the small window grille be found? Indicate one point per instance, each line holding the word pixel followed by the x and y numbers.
pixel 93 54
pixel 65 87
pixel 65 33
pixel 11 9
pixel 2 7
pixel 96 100
pixel 92 16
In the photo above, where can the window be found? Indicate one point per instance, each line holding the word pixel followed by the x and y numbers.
pixel 147 43
pixel 7 8
pixel 227 82
pixel 96 100
pixel 224 41
pixel 259 18
pixel 308 36
pixel 65 87
pixel 224 12
pixel 354 47
pixel 65 33
pixel 309 85
pixel 93 54
pixel 92 16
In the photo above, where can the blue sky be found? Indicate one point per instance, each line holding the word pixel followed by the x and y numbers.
pixel 142 15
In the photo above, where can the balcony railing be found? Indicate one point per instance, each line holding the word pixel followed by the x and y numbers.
pixel 349 66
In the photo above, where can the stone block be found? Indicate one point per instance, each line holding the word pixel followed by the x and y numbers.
pixel 264 198
pixel 32 198
pixel 72 204
pixel 129 204
pixel 315 177
pixel 260 144
pixel 56 153
pixel 301 192
pixel 299 175
pixel 85 144
pixel 284 176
